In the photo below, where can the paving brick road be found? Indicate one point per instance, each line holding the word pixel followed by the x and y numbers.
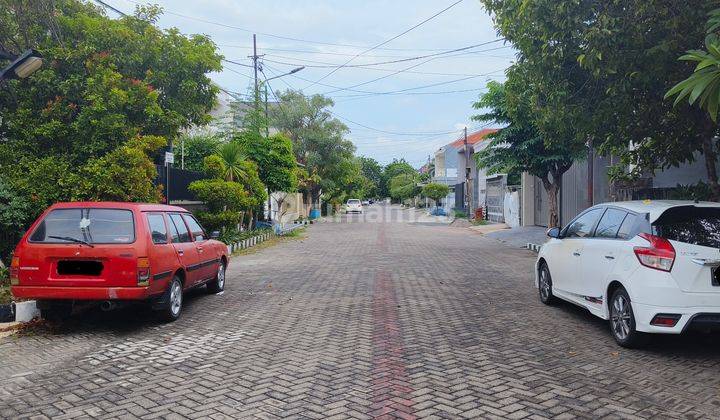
pixel 360 320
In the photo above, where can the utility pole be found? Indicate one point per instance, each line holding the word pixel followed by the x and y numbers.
pixel 255 68
pixel 468 187
pixel 267 118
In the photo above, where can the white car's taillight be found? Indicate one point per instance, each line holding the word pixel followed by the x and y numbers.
pixel 660 255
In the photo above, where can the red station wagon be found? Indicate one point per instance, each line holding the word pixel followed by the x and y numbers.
pixel 115 253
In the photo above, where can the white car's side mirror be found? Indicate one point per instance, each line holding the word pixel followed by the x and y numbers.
pixel 554 232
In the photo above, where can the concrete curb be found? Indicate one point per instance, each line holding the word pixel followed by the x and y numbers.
pixel 26 311
pixel 533 247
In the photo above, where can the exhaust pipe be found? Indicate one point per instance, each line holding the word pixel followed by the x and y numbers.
pixel 107 305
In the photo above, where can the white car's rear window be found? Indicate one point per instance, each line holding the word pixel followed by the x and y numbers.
pixel 353 202
pixel 690 224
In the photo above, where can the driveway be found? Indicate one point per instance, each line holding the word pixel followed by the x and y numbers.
pixel 360 319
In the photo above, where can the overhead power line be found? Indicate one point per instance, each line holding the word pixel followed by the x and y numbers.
pixel 367 92
pixel 107 6
pixel 360 124
pixel 385 42
pixel 447 53
pixel 237 63
pixel 288 38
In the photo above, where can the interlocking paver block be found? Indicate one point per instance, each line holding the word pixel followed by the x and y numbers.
pixel 392 320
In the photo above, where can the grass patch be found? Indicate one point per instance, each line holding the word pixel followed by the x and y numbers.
pixel 459 214
pixel 296 234
pixel 479 222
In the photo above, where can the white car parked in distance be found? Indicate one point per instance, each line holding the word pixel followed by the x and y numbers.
pixel 353 206
pixel 646 266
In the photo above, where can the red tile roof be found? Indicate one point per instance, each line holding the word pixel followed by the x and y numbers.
pixel 474 138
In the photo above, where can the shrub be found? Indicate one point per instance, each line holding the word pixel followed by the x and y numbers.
pixel 459 214
pixel 220 195
pixel 436 191
pixel 222 221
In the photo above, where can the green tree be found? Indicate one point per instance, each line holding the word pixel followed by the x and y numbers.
pixel 373 172
pixel 229 162
pixel 391 170
pixel 404 186
pixel 520 146
pixel 14 209
pixel 618 59
pixel 71 127
pixel 125 174
pixel 703 87
pixel 233 189
pixel 274 157
pixel 197 148
pixel 318 142
pixel 105 80
pixel 557 97
pixel 435 191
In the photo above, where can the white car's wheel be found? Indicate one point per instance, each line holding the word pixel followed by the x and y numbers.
pixel 545 285
pixel 622 320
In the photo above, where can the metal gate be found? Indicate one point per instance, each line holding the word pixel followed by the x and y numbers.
pixel 495 197
pixel 541 203
pixel 459 196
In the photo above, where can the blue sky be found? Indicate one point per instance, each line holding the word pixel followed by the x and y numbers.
pixel 359 25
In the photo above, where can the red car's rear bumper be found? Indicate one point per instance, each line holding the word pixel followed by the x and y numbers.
pixel 80 293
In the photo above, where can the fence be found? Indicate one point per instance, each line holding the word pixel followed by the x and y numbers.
pixel 626 194
pixel 495 197
pixel 180 179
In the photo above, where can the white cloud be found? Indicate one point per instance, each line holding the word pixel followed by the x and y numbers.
pixel 358 23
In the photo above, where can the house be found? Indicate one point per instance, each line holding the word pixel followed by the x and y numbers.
pixel 453 162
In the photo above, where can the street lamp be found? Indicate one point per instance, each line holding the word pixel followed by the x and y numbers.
pixel 23 66
pixel 293 71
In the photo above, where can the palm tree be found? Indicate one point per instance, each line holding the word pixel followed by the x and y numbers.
pixel 234 162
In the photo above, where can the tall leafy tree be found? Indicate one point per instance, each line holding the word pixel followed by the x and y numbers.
pixel 391 170
pixel 404 186
pixel 317 139
pixel 520 146
pixel 196 148
pixel 703 87
pixel 618 58
pixel 105 80
pixel 107 86
pixel 373 172
pixel 274 157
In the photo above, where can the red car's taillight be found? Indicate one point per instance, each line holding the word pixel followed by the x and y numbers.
pixel 15 271
pixel 143 272
pixel 660 255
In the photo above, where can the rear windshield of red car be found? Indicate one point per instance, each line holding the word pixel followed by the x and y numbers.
pixel 690 224
pixel 90 225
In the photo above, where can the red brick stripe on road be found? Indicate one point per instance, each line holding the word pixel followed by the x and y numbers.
pixel 390 387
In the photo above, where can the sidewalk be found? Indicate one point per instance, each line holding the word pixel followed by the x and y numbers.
pixel 519 237
pixel 421 215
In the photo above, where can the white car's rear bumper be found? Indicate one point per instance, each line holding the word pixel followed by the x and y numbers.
pixel 695 316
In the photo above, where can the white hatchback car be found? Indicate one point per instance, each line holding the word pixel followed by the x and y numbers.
pixel 646 266
pixel 353 206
